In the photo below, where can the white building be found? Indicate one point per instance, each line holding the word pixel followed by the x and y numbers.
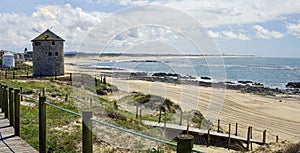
pixel 8 60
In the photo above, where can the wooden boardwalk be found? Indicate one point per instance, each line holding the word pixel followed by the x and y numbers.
pixel 9 143
pixel 199 131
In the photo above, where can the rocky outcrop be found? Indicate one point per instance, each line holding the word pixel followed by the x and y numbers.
pixel 293 85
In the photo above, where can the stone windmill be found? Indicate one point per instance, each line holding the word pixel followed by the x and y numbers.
pixel 48 54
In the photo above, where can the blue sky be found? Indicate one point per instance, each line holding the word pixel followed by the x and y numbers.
pixel 258 27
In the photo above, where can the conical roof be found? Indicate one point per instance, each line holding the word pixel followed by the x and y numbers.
pixel 48 36
pixel 8 54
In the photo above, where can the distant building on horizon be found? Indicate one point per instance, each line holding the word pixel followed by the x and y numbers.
pixel 48 54
pixel 8 60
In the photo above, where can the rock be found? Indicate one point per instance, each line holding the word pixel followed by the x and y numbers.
pixel 293 85
pixel 206 78
pixel 245 82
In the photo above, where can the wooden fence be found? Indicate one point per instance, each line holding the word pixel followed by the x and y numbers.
pixel 10 103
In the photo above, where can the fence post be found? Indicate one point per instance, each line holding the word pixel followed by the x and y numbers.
pixel 218 125
pixel 87 139
pixel 251 136
pixel 137 112
pixel 236 129
pixel 13 75
pixel 229 136
pixel 71 78
pixel 180 120
pixel 264 136
pixel 1 96
pixel 159 117
pixel 208 137
pixel 248 139
pixel 276 138
pixel 17 112
pixel 11 107
pixel 5 102
pixel 140 115
pixel 21 90
pixel 185 143
pixel 42 125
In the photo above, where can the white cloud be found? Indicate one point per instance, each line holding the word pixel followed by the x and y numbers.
pixel 213 34
pixel 219 12
pixel 70 23
pixel 261 32
pixel 294 29
pixel 232 35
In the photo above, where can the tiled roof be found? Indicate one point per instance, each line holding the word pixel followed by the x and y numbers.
pixel 48 36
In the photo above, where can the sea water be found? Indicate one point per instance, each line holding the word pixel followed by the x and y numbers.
pixel 273 72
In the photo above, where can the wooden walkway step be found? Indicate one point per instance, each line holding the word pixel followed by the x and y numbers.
pixel 199 131
pixel 9 143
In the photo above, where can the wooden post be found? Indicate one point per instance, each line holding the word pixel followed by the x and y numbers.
pixel 17 112
pixel 87 135
pixel 165 124
pixel 21 90
pixel 27 75
pixel 137 112
pixel 5 102
pixel 5 74
pixel 264 136
pixel 236 129
pixel 218 125
pixel 140 115
pixel 251 136
pixel 42 125
pixel 43 91
pixel 159 117
pixel 13 75
pixel 208 137
pixel 229 136
pixel 188 126
pixel 11 107
pixel 91 103
pixel 1 96
pixel 96 83
pixel 276 138
pixel 180 120
pixel 71 78
pixel 248 139
pixel 185 143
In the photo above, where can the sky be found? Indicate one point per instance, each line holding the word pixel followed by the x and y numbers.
pixel 241 27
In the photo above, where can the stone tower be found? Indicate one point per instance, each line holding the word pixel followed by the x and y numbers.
pixel 48 54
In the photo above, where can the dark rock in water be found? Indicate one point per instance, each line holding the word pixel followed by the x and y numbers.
pixel 293 85
pixel 166 74
pixel 228 82
pixel 245 82
pixel 206 78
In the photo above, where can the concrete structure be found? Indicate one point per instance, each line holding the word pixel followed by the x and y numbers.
pixel 8 60
pixel 48 54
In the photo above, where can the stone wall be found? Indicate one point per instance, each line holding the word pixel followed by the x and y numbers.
pixel 48 59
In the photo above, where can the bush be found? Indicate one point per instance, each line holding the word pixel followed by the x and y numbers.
pixel 293 148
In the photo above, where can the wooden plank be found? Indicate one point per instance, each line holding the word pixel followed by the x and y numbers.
pixel 9 142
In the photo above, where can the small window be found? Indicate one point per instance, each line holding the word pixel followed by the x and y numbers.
pixel 50 53
pixel 37 43
pixel 56 53
pixel 53 42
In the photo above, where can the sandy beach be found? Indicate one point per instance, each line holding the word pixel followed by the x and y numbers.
pixel 279 114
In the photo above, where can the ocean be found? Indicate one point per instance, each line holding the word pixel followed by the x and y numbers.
pixel 272 72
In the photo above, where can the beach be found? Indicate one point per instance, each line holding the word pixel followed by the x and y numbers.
pixel 278 114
